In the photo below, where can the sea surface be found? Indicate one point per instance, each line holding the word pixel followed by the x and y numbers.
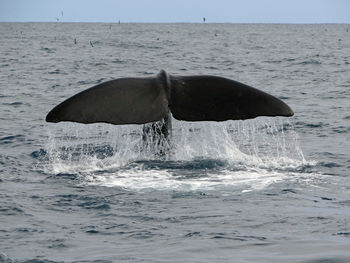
pixel 261 190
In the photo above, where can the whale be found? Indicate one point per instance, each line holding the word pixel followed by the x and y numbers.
pixel 145 100
pixel 154 101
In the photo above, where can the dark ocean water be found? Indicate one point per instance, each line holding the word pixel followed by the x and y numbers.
pixel 262 190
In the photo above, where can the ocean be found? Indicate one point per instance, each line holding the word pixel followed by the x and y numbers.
pixel 270 189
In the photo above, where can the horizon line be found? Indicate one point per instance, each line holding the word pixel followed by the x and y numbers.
pixel 131 22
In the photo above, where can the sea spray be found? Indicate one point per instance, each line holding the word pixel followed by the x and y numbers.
pixel 250 154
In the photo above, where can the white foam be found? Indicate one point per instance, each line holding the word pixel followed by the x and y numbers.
pixel 257 154
pixel 143 180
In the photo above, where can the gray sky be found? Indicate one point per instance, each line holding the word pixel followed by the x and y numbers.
pixel 234 11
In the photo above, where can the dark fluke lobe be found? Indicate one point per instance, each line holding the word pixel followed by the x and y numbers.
pixel 210 98
pixel 120 101
pixel 189 98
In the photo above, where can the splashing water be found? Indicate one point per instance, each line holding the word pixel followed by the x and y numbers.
pixel 204 155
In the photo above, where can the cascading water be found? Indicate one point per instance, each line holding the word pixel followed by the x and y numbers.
pixel 241 155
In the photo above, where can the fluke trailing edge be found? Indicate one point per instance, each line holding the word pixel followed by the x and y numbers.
pixel 188 98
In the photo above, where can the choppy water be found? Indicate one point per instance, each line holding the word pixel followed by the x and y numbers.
pixel 263 190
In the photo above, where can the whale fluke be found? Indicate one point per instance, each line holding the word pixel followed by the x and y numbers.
pixel 210 98
pixel 120 101
pixel 189 98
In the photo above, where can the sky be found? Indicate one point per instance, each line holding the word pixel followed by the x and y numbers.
pixel 215 11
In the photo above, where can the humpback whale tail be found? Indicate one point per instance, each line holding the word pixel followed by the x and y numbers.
pixel 188 98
